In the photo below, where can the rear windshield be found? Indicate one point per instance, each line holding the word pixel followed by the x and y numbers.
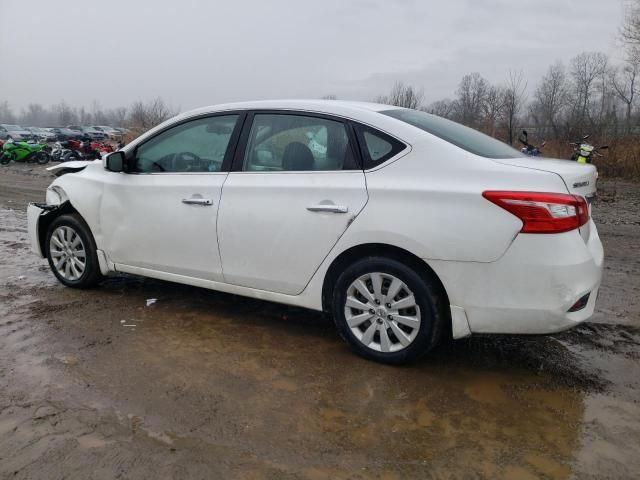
pixel 464 137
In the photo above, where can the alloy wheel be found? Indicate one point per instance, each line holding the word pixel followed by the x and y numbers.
pixel 382 312
pixel 67 253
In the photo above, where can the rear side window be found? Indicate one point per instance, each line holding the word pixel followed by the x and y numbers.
pixel 376 147
pixel 290 142
pixel 464 137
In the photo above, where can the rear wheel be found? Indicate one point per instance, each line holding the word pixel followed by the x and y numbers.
pixel 387 311
pixel 71 252
pixel 70 156
pixel 42 158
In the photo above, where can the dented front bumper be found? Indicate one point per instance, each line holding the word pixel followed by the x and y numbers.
pixel 34 212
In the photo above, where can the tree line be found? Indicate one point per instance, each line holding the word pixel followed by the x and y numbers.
pixel 140 115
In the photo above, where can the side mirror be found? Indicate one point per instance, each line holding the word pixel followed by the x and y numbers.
pixel 114 162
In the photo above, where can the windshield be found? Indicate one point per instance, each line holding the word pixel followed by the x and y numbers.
pixel 13 128
pixel 464 137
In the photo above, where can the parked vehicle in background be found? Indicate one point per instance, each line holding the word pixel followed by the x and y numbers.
pixel 404 225
pixel 77 130
pixel 584 151
pixel 41 134
pixel 24 152
pixel 91 133
pixel 64 134
pixel 110 132
pixel 528 148
pixel 14 132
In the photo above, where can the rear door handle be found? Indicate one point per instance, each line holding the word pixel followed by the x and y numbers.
pixel 197 201
pixel 328 208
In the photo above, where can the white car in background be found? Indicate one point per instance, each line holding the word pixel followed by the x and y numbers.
pixel 403 225
pixel 110 132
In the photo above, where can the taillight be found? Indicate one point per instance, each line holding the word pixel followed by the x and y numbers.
pixel 543 212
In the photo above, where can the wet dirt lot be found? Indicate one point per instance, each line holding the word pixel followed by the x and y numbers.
pixel 199 384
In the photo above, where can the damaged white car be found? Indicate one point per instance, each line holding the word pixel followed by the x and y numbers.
pixel 404 226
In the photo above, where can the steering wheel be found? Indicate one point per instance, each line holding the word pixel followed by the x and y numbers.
pixel 190 158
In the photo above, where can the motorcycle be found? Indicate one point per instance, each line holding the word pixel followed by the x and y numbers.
pixel 528 148
pixel 75 150
pixel 102 147
pixel 25 152
pixel 65 151
pixel 583 151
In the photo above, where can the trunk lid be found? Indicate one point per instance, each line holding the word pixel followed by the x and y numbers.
pixel 580 179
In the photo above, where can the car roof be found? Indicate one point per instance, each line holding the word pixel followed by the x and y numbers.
pixel 367 113
pixel 325 106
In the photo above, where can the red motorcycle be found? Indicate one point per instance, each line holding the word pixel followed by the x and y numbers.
pixel 102 147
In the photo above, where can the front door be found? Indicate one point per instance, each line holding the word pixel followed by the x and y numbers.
pixel 297 190
pixel 163 217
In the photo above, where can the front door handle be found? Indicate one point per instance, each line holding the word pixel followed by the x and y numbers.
pixel 321 207
pixel 197 201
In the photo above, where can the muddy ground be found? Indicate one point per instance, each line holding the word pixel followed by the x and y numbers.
pixel 199 384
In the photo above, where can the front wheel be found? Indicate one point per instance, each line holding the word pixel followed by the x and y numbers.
pixel 4 159
pixel 71 251
pixel 387 311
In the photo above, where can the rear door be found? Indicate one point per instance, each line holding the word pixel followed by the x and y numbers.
pixel 295 188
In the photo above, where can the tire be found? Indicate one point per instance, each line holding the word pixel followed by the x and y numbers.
pixel 43 158
pixel 69 157
pixel 418 337
pixel 67 229
pixel 4 159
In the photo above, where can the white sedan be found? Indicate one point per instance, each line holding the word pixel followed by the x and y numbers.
pixel 406 227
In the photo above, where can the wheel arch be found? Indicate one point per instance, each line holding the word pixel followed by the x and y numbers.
pixel 46 220
pixel 358 252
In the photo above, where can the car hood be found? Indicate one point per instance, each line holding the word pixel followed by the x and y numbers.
pixel 70 167
pixel 579 178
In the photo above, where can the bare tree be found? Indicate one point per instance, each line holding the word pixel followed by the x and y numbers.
pixel 550 98
pixel 586 69
pixel 624 81
pixel 64 114
pixel 630 31
pixel 403 96
pixel 494 108
pixel 329 97
pixel 144 116
pixel 117 117
pixel 472 92
pixel 514 101
pixel 443 108
pixel 6 114
pixel 35 114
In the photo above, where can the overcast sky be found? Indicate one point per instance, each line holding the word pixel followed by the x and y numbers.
pixel 195 53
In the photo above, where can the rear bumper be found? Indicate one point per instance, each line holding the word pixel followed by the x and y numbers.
pixel 33 218
pixel 531 288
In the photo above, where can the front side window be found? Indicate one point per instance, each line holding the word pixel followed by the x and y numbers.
pixel 196 146
pixel 285 142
